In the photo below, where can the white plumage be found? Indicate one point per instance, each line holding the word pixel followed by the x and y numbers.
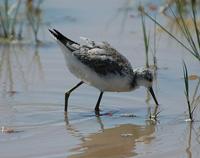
pixel 101 66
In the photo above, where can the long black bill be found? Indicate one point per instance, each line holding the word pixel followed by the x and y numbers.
pixel 153 95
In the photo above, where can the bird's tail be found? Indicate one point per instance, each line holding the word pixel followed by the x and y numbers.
pixel 64 41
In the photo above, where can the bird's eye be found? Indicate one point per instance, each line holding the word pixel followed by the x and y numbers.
pixel 149 77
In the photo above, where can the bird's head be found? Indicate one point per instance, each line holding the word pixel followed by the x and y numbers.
pixel 144 77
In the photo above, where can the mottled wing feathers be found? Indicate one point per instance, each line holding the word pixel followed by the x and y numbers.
pixel 104 61
pixel 100 57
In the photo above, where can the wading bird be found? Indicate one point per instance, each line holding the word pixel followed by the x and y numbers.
pixel 103 67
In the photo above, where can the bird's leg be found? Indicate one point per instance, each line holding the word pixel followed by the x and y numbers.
pixel 67 94
pixel 98 104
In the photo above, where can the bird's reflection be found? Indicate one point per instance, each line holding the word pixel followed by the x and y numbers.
pixel 72 130
pixel 99 121
pixel 118 141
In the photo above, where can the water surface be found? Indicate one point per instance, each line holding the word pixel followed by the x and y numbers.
pixel 33 80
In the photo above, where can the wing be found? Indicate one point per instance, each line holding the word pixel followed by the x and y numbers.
pixel 104 61
pixel 92 44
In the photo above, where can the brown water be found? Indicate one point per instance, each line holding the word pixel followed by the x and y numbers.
pixel 33 80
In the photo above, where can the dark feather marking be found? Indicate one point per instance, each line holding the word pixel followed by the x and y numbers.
pixel 114 63
pixel 64 40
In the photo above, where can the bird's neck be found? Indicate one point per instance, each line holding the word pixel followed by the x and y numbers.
pixel 134 84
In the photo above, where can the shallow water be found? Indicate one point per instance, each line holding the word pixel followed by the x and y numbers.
pixel 33 81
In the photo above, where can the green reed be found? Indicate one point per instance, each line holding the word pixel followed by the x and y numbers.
pixel 195 101
pixel 8 18
pixel 154 50
pixel 146 38
pixel 186 83
pixel 13 19
pixel 34 18
pixel 192 40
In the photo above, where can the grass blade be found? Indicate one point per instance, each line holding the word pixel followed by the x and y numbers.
pixel 185 75
pixel 188 34
pixel 170 34
pixel 15 17
pixel 3 24
pixel 195 23
pixel 146 39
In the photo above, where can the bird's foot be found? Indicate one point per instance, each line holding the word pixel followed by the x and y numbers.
pixel 97 111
